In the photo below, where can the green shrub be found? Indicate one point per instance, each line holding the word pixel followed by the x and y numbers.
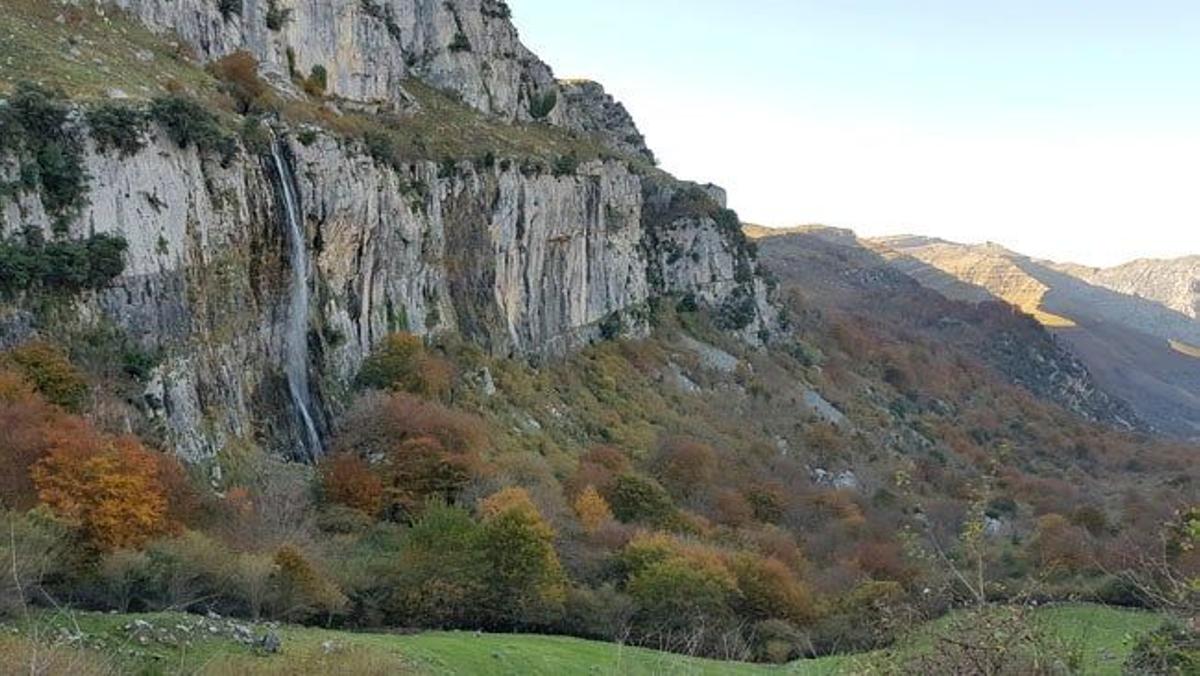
pixel 190 123
pixel 498 9
pixel 566 165
pixel 1170 649
pixel 402 363
pixel 36 121
pixel 255 135
pixel 64 265
pixel 679 594
pixel 118 127
pixel 636 498
pixel 384 14
pixel 185 571
pixel 35 547
pixel 317 82
pixel 381 147
pixel 229 8
pixel 307 137
pixel 612 326
pixel 526 581
pixel 460 43
pixel 277 17
pixel 440 577
pixel 738 311
pixel 604 613
pixel 540 107
pixel 51 372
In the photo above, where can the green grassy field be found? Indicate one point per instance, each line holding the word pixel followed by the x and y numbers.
pixel 102 644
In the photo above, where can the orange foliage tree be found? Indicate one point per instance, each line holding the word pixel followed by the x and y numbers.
pixel 348 480
pixel 108 487
pixel 426 450
pixel 24 416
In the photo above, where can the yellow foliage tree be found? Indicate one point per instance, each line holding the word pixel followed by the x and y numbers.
pixel 592 509
pixel 511 499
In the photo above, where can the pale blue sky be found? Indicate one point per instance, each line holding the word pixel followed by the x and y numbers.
pixel 1065 129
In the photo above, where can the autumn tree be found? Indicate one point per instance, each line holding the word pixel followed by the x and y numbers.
pixel 768 589
pixel 685 465
pixel 108 487
pixel 25 417
pixel 440 577
pixel 592 509
pixel 303 592
pixel 50 371
pixel 403 363
pixel 347 480
pixel 426 450
pixel 637 498
pixel 598 467
pixel 527 584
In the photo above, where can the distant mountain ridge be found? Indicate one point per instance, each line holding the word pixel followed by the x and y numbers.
pixel 1173 282
pixel 1134 325
pixel 838 273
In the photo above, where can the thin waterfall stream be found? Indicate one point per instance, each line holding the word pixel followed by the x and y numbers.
pixel 296 348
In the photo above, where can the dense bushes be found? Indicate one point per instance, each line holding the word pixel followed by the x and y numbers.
pixel 403 363
pixel 48 370
pixel 499 572
pixel 118 127
pixel 541 106
pixel 35 124
pixel 637 498
pixel 35 548
pixel 110 491
pixel 238 73
pixel 229 8
pixel 446 504
pixel 419 450
pixel 189 123
pixel 63 265
pixel 1171 649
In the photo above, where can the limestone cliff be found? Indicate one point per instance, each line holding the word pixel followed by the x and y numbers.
pixel 521 257
pixel 368 48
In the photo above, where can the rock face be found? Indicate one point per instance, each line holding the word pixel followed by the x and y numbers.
pixel 521 261
pixel 588 108
pixel 523 265
pixel 369 47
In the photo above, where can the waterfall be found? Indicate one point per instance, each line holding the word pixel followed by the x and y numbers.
pixel 296 348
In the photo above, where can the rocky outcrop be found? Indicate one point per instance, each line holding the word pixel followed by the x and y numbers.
pixel 368 47
pixel 1173 283
pixel 588 108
